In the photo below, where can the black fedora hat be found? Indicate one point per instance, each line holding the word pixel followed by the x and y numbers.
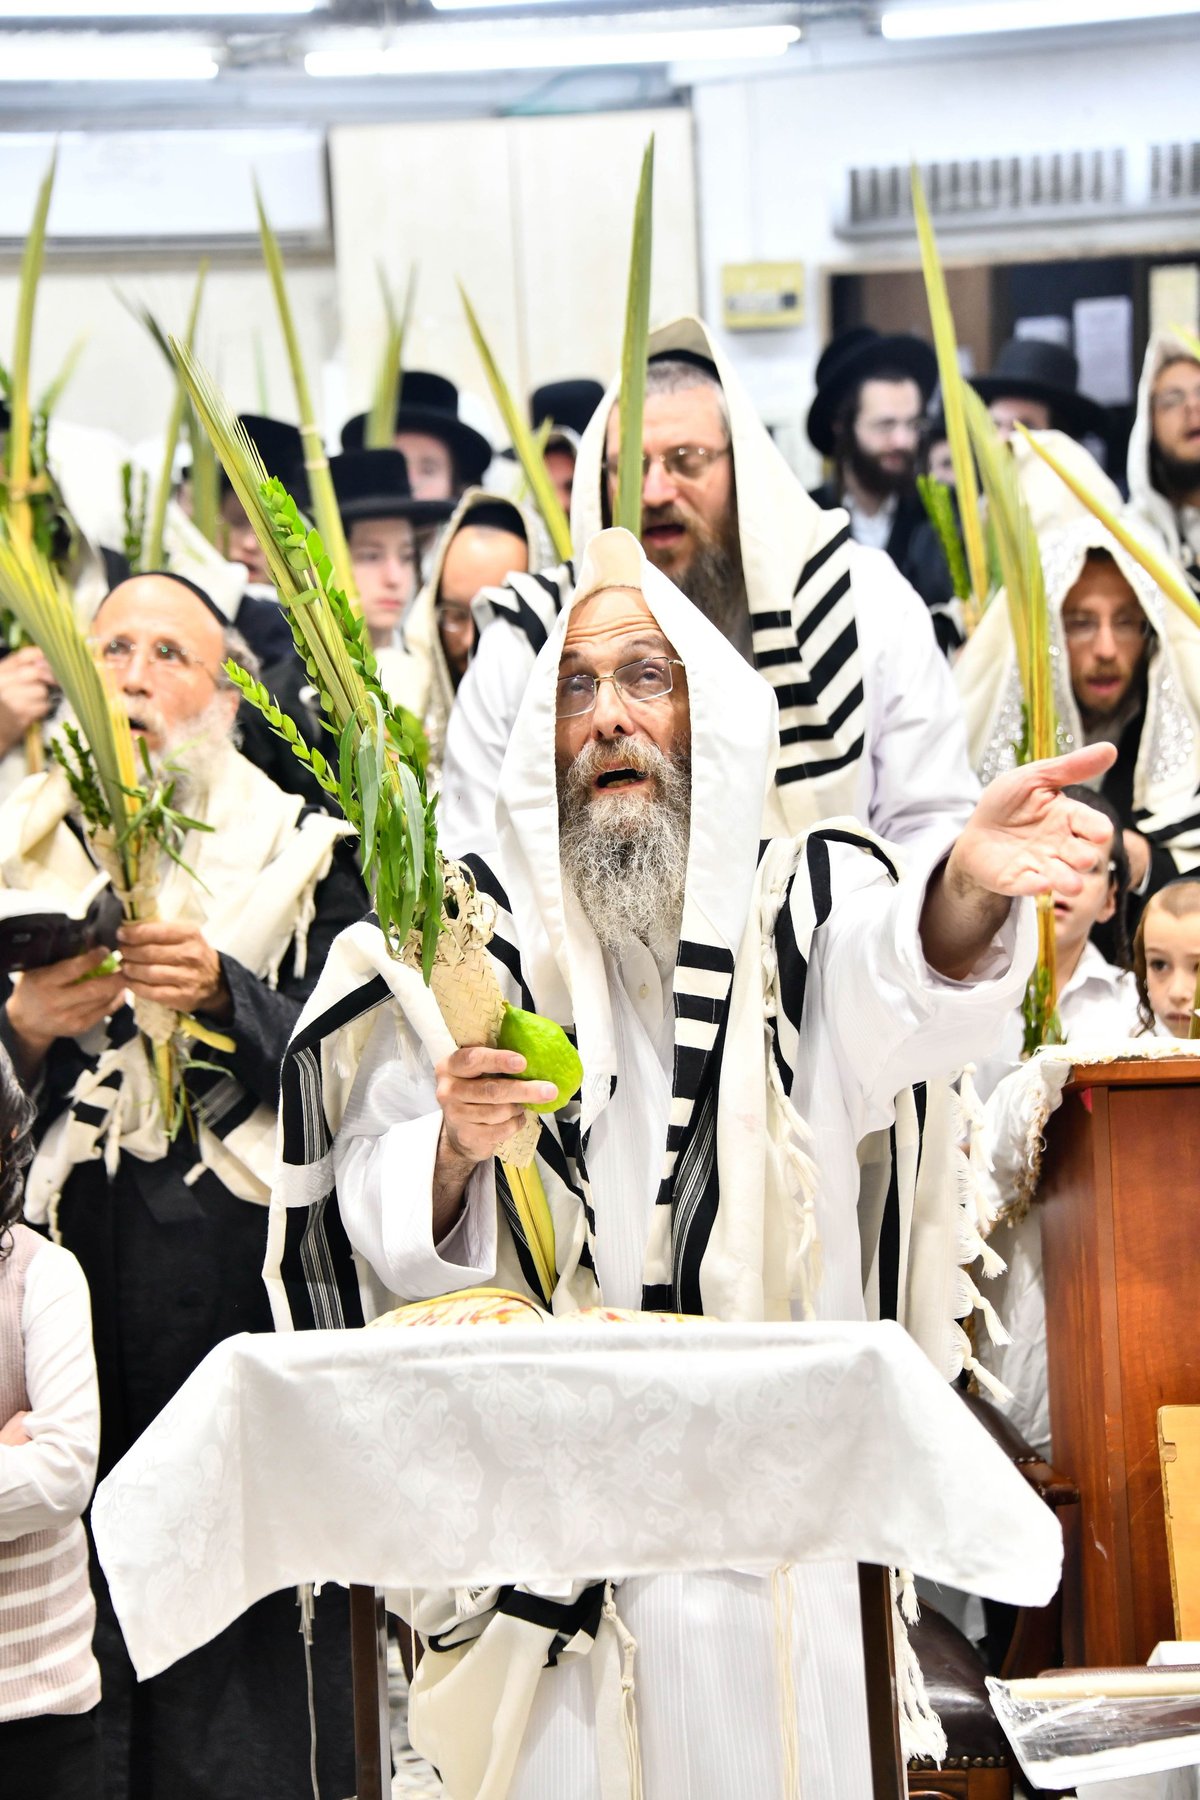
pixel 857 355
pixel 429 403
pixel 566 403
pixel 374 484
pixel 1036 369
pixel 278 444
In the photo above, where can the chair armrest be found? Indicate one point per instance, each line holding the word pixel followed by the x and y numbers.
pixel 1055 1489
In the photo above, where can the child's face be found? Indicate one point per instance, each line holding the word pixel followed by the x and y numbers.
pixel 1075 914
pixel 1172 959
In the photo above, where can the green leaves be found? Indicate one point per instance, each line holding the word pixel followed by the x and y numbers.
pixel 939 507
pixel 528 455
pixel 954 388
pixel 381 419
pixel 20 431
pixel 627 509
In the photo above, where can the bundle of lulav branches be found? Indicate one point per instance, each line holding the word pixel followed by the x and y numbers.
pixel 128 811
pixel 429 912
pixel 976 444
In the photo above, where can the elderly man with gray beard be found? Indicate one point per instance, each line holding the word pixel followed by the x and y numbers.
pixel 171 1232
pixel 745 1015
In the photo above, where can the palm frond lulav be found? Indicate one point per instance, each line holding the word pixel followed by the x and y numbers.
pixel 320 481
pixel 381 419
pixel 533 466
pixel 627 507
pixel 380 776
pixel 954 389
pixel 155 557
pixel 1029 616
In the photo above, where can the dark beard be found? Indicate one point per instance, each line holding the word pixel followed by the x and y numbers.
pixel 871 475
pixel 715 584
pixel 1175 476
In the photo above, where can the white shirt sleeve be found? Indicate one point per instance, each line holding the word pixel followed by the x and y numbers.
pixel 477 735
pixel 921 788
pixel 383 1160
pixel 891 1019
pixel 48 1482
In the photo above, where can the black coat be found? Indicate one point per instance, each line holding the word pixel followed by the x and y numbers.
pixel 173 1268
pixel 914 548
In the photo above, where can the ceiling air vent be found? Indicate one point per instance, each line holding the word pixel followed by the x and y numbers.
pixel 989 190
pixel 1174 174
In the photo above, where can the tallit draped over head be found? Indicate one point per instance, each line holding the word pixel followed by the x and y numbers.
pixel 415 672
pixel 1166 786
pixel 733 1210
pixel 796 561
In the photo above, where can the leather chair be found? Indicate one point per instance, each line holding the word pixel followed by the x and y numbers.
pixel 979 1763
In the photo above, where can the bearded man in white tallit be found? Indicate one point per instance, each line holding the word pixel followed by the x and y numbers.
pixel 171 1235
pixel 1118 678
pixel 720 998
pixel 869 722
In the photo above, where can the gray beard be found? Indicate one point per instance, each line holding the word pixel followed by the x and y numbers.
pixel 626 855
pixel 191 753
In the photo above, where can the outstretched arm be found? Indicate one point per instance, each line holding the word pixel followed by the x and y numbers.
pixel 1024 838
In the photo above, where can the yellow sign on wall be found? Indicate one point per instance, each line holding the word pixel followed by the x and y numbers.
pixel 762 296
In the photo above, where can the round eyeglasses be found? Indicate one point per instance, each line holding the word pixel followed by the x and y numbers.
pixel 161 653
pixel 647 679
pixel 687 462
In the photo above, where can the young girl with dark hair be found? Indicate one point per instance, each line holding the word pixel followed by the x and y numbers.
pixel 49 1441
pixel 1166 957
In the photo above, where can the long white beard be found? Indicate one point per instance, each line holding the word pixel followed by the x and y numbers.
pixel 190 753
pixel 626 854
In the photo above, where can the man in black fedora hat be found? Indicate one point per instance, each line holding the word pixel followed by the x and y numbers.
pixel 867 416
pixel 444 454
pixel 567 406
pixel 258 617
pixel 1035 383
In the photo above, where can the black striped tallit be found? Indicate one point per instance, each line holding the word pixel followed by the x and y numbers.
pixel 317 1264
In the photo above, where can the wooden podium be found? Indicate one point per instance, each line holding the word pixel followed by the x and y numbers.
pixel 1120 1198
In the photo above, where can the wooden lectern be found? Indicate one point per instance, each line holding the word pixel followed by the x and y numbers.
pixel 1120 1199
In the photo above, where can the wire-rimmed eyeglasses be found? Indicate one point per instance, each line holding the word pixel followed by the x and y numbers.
pixel 649 678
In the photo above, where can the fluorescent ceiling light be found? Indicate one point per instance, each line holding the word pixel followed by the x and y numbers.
pixel 149 9
pixel 452 53
pixel 77 59
pixel 974 17
pixel 481 5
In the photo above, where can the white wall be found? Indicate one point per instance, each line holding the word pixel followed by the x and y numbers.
pixel 533 216
pixel 773 152
pixel 121 381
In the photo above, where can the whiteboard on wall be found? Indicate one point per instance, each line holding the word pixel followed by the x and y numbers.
pixel 166 186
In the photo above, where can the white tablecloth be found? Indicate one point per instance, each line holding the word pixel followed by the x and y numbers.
pixel 453 1456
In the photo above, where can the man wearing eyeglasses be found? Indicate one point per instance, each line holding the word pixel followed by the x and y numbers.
pixel 869 721
pixel 1164 452
pixel 1118 679
pixel 171 1232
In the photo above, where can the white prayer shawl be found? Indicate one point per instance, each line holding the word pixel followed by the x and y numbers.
pixel 1153 514
pixel 869 723
pixel 415 671
pixel 255 877
pixel 734 1133
pixel 1166 783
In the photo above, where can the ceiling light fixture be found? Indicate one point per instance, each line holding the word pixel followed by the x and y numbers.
pixel 451 53
pixel 976 17
pixel 170 10
pixel 79 60
pixel 484 5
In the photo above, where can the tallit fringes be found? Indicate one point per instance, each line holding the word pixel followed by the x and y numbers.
pixel 967 1362
pixel 921 1732
pixel 629 1720
pixel 783 1605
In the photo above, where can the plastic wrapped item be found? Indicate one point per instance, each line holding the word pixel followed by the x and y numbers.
pixel 1065 1737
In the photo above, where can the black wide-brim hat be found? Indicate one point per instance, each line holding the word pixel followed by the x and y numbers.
pixel 429 403
pixel 856 356
pixel 1036 369
pixel 566 403
pixel 373 484
pixel 278 444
